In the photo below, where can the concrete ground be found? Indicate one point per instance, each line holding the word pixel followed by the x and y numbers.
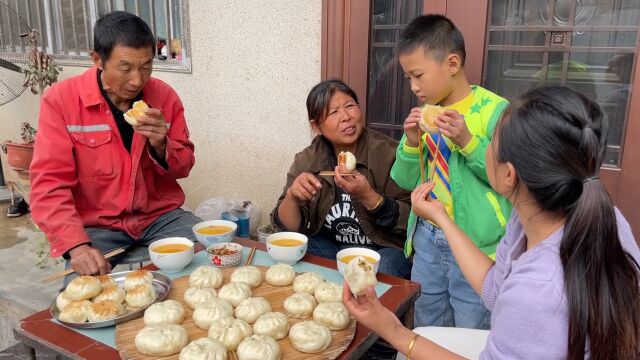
pixel 21 289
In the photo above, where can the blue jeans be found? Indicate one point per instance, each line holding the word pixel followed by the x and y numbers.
pixel 392 260
pixel 446 297
pixel 176 223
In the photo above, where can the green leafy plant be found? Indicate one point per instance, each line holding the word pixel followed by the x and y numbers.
pixel 42 252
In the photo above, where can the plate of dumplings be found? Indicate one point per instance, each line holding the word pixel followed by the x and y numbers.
pixel 98 301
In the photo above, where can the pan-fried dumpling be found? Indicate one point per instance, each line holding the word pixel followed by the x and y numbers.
pixel 211 311
pixel 136 111
pixel 332 315
pixel 206 277
pixel 250 309
pixel 136 278
pixel 299 305
pixel 328 291
pixel 274 324
pixel 165 312
pixel 359 274
pixel 234 293
pixel 280 275
pixel 259 347
pixel 310 337
pixel 248 274
pixel 307 282
pixel 140 296
pixel 195 296
pixel 161 340
pixel 83 288
pixel 348 160
pixel 230 332
pixel 62 301
pixel 112 293
pixel 204 348
pixel 105 310
pixel 106 281
pixel 76 311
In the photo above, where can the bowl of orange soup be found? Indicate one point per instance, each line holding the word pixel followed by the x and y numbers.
pixel 214 232
pixel 287 247
pixel 345 255
pixel 171 254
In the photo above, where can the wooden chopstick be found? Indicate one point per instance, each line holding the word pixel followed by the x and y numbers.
pixel 250 257
pixel 333 173
pixel 70 271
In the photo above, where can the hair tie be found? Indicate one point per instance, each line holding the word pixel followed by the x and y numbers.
pixel 591 178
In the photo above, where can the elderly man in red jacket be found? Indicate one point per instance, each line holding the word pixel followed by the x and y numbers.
pixel 97 182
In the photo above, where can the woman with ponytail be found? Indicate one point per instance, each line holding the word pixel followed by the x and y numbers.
pixel 565 281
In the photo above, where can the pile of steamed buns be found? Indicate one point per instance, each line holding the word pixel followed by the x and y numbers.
pixel 237 321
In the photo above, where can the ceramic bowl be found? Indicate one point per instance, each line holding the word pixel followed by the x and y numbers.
pixel 208 240
pixel 225 254
pixel 171 262
pixel 287 254
pixel 357 251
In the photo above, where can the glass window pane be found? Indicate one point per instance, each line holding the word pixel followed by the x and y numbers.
pixel 603 73
pixel 390 98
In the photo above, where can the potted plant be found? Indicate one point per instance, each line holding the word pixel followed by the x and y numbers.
pixel 265 230
pixel 39 73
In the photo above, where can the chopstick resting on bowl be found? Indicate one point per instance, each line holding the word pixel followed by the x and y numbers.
pixel 250 256
pixel 70 271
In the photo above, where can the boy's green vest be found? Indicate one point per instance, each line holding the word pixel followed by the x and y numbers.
pixel 478 209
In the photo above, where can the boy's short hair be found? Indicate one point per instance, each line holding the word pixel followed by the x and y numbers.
pixel 436 33
pixel 121 28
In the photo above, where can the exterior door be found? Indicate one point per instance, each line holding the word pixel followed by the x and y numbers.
pixel 588 45
pixel 512 46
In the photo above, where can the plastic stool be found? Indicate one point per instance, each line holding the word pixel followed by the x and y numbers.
pixel 135 255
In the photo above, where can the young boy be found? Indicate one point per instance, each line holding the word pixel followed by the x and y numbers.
pixel 432 54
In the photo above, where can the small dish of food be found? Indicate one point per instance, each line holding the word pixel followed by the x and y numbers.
pixel 225 254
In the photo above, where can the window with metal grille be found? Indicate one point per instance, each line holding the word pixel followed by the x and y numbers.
pixel 66 27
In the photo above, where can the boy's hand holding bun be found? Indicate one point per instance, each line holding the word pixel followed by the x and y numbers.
pixel 453 126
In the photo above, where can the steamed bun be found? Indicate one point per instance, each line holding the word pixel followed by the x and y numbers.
pixel 307 282
pixel 274 324
pixel 248 274
pixel 230 332
pixel 195 296
pixel 204 348
pixel 299 305
pixel 310 337
pixel 332 315
pixel 234 293
pixel 211 311
pixel 280 275
pixel 359 274
pixel 328 291
pixel 165 312
pixel 250 309
pixel 259 347
pixel 206 277
pixel 161 340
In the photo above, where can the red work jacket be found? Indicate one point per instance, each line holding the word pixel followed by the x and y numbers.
pixel 82 175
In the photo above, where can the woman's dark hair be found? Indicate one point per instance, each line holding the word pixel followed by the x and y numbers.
pixel 556 141
pixel 121 28
pixel 320 96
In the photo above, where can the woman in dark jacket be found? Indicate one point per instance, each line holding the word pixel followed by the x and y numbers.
pixel 365 210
